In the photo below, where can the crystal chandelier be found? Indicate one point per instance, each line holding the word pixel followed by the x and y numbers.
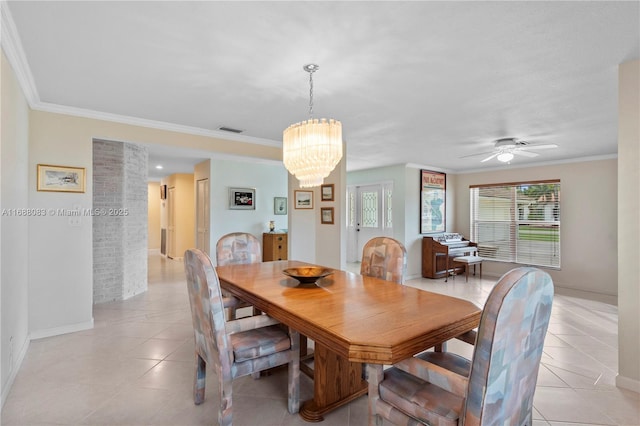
pixel 311 149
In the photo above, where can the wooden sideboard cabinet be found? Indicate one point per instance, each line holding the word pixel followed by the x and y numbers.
pixel 274 246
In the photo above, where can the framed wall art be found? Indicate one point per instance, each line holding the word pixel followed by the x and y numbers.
pixel 326 215
pixel 326 192
pixel 303 199
pixel 279 205
pixel 242 198
pixel 163 192
pixel 61 178
pixel 432 201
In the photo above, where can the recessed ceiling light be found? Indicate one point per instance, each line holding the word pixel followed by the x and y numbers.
pixel 159 167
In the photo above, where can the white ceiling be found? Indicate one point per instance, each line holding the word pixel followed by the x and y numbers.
pixel 423 83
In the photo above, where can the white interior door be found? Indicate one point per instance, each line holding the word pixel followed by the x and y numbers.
pixel 202 215
pixel 369 211
pixel 171 223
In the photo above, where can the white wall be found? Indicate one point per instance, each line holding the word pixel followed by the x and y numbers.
pixel 588 221
pixel 331 247
pixel 14 250
pixel 312 241
pixel 629 226
pixel 269 181
pixel 62 252
pixel 413 237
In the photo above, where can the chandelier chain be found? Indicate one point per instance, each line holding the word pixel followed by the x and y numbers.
pixel 310 94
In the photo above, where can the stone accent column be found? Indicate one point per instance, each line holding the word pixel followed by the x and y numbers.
pixel 120 223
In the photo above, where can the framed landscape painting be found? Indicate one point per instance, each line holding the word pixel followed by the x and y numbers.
pixel 326 192
pixel 60 178
pixel 303 199
pixel 326 215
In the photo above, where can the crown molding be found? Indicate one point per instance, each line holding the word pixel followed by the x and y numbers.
pixel 153 124
pixel 12 47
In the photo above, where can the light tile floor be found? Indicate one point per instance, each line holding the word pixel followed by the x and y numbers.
pixel 135 367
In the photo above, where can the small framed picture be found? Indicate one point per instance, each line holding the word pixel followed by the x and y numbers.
pixel 326 215
pixel 242 198
pixel 279 205
pixel 163 192
pixel 60 178
pixel 303 199
pixel 326 192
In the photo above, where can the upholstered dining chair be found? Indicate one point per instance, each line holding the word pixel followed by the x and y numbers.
pixel 234 348
pixel 233 249
pixel 385 258
pixel 238 248
pixel 496 387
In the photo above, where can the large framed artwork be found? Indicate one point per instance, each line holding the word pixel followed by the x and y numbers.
pixel 432 201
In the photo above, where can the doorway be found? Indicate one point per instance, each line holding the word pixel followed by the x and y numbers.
pixel 369 215
pixel 202 215
pixel 171 223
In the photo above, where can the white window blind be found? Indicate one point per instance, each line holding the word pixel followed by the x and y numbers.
pixel 517 222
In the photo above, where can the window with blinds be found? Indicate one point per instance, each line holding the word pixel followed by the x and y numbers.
pixel 517 222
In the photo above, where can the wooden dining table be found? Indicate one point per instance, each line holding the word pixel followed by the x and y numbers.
pixel 352 319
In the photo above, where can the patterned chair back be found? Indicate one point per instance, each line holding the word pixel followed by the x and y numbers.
pixel 238 248
pixel 508 349
pixel 207 311
pixel 384 258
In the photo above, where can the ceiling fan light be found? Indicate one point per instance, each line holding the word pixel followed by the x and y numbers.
pixel 505 157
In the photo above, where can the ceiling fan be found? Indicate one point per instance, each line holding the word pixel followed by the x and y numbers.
pixel 506 149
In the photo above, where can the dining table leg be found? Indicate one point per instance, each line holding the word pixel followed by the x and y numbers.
pixel 336 381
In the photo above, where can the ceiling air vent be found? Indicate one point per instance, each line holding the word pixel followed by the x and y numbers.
pixel 230 129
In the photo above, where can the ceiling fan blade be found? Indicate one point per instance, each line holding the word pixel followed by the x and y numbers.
pixel 477 154
pixel 495 154
pixel 525 153
pixel 542 146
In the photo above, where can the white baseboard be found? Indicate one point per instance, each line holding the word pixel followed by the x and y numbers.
pixel 628 383
pixel 588 295
pixel 6 388
pixel 56 331
pixel 153 251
